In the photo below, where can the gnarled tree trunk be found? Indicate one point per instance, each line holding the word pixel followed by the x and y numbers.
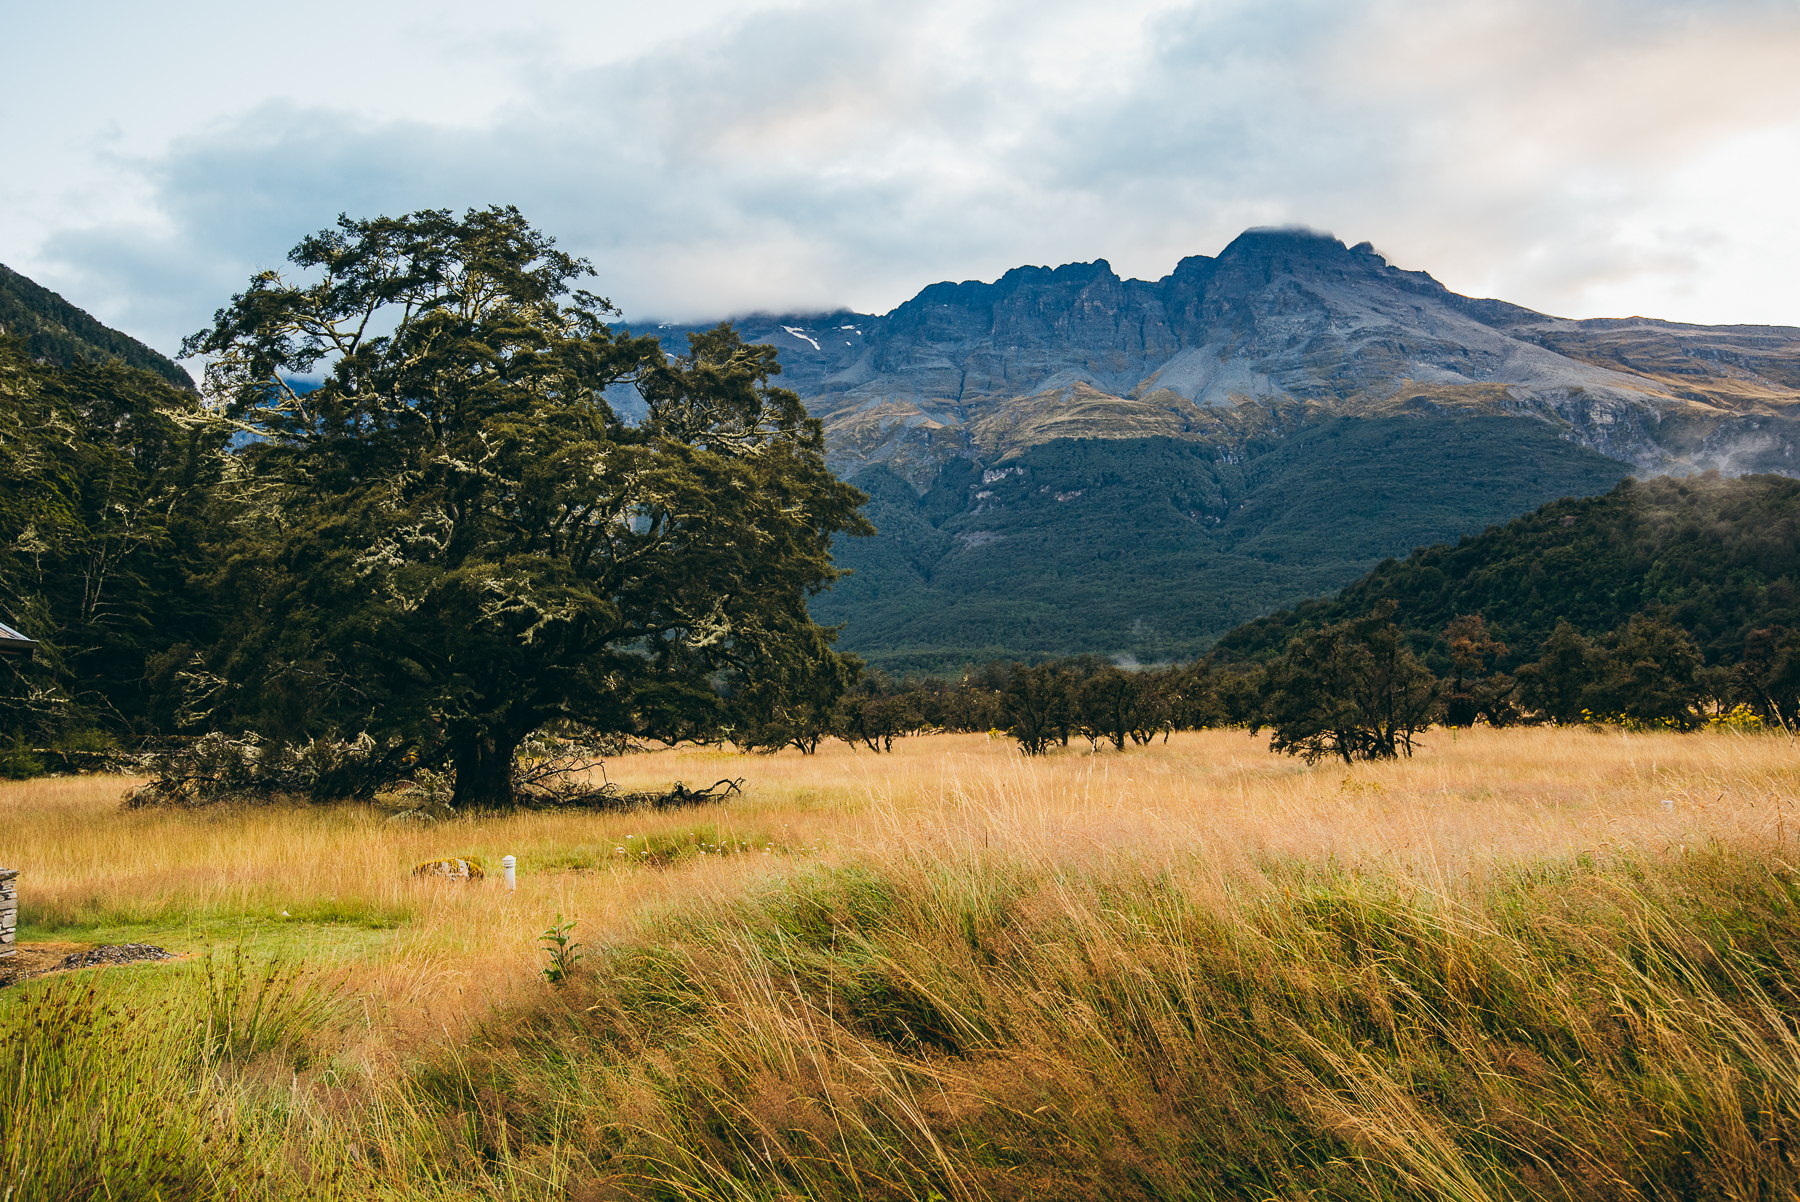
pixel 484 763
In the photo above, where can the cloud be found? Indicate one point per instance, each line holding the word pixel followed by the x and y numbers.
pixel 1582 157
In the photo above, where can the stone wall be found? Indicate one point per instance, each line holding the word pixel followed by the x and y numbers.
pixel 9 909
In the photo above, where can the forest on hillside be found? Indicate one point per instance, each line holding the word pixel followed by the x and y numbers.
pixel 1662 604
pixel 1155 547
pixel 51 330
pixel 1718 557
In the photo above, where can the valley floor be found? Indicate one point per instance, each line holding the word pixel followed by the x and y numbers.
pixel 1524 963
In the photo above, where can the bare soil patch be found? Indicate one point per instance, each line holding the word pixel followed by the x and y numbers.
pixel 37 959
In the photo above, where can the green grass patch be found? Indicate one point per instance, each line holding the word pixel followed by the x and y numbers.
pixel 661 849
pixel 321 933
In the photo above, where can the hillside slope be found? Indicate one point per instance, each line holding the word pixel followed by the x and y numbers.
pixel 55 331
pixel 1154 547
pixel 1718 556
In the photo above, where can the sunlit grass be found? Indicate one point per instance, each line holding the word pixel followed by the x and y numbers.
pixel 336 881
pixel 926 930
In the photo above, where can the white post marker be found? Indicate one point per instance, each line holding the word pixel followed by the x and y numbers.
pixel 508 863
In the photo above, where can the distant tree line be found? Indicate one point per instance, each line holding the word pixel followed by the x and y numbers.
pixel 1081 700
pixel 1668 603
pixel 1351 690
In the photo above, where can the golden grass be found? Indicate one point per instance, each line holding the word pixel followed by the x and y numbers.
pixel 946 825
pixel 1463 806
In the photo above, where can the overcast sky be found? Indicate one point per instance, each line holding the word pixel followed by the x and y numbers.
pixel 1582 157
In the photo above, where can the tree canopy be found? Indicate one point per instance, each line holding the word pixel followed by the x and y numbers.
pixel 453 540
pixel 105 475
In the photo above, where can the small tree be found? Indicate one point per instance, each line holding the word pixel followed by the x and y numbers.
pixel 979 700
pixel 877 715
pixel 1233 696
pixel 1039 707
pixel 1650 674
pixel 1769 675
pixel 1159 704
pixel 793 702
pixel 1106 706
pixel 1647 671
pixel 1557 686
pixel 1353 690
pixel 1469 695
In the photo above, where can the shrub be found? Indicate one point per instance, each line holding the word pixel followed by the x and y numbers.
pixel 19 761
pixel 218 768
pixel 1352 690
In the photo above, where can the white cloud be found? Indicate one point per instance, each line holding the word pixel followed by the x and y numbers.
pixel 1585 157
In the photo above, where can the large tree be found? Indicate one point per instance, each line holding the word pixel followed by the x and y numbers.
pixel 454 540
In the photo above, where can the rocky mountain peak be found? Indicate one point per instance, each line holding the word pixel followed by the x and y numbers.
pixel 1282 242
pixel 1284 325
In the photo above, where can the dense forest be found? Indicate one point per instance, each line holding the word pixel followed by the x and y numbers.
pixel 54 331
pixel 1718 557
pixel 1155 547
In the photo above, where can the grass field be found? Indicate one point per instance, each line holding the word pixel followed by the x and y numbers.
pixel 1524 964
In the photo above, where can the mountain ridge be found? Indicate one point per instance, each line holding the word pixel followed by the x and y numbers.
pixel 1064 461
pixel 1281 317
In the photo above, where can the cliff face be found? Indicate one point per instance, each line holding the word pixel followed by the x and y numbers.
pixel 1284 329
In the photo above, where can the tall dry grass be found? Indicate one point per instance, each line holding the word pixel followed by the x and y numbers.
pixel 1466 802
pixel 1501 969
pixel 1215 802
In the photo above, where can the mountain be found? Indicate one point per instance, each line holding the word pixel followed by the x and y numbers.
pixel 1280 319
pixel 1064 461
pixel 1151 548
pixel 55 331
